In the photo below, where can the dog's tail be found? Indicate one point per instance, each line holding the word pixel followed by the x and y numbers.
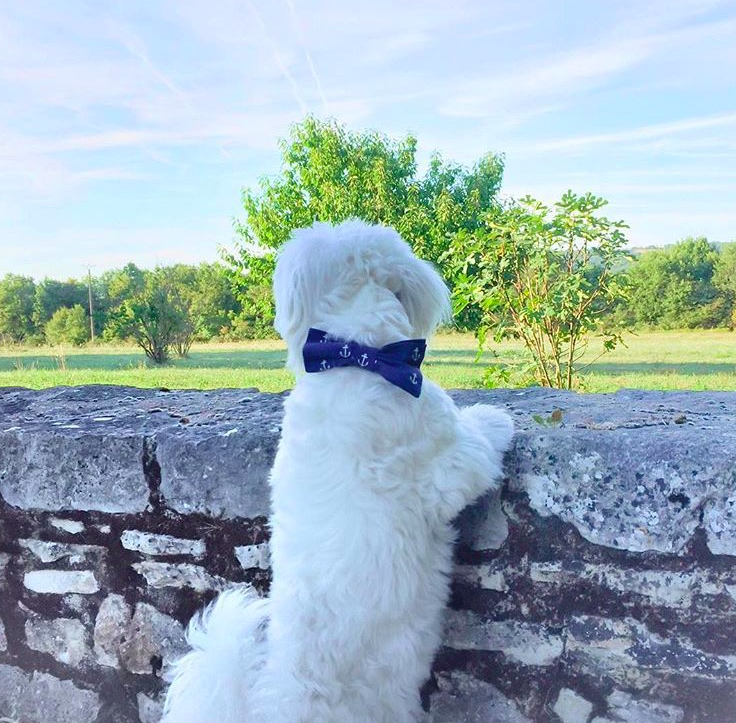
pixel 214 681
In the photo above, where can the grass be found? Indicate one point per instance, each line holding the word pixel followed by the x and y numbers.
pixel 701 360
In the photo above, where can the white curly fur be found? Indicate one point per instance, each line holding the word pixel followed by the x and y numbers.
pixel 366 482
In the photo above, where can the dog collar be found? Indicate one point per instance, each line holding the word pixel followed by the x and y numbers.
pixel 397 363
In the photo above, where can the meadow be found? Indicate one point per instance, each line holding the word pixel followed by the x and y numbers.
pixel 699 360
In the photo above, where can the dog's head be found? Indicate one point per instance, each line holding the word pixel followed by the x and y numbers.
pixel 357 281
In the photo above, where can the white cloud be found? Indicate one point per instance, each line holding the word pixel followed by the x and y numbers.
pixel 553 77
pixel 652 134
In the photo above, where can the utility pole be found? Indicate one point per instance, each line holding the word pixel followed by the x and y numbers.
pixel 89 296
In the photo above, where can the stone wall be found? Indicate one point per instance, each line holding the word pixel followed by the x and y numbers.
pixel 599 588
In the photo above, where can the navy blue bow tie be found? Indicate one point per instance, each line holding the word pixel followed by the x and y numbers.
pixel 397 363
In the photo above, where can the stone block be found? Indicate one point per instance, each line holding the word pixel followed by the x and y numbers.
pixel 64 469
pixel 73 527
pixel 527 643
pixel 111 624
pixel 254 556
pixel 151 640
pixel 40 696
pixel 719 518
pixel 461 697
pixel 60 582
pixel 627 650
pixel 572 708
pixel 150 543
pixel 660 511
pixel 48 552
pixel 623 708
pixel 661 587
pixel 482 576
pixel 65 639
pixel 167 574
pixel 221 473
pixel 483 526
pixel 150 710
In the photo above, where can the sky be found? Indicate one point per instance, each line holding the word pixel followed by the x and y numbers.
pixel 129 127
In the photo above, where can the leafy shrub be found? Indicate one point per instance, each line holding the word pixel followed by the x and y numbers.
pixel 68 325
pixel 544 276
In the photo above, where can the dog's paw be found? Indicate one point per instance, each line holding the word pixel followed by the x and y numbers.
pixel 494 423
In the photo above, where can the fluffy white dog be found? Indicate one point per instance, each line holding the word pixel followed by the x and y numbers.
pixel 366 482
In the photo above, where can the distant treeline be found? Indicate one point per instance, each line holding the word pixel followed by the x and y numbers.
pixel 200 301
pixel 691 284
pixel 688 285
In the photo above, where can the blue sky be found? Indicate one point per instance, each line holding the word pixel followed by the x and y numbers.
pixel 128 128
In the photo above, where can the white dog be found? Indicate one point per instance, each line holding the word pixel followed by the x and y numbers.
pixel 366 483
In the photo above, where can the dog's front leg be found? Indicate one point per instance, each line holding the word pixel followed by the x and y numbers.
pixel 473 464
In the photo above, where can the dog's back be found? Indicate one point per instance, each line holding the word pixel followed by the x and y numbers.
pixel 366 482
pixel 360 558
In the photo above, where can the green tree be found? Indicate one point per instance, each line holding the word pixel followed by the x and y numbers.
pixel 208 295
pixel 114 289
pixel 724 279
pixel 673 287
pixel 155 319
pixel 52 295
pixel 17 295
pixel 331 174
pixel 68 326
pixel 214 305
pixel 545 276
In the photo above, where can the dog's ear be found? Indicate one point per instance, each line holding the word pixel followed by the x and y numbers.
pixel 298 280
pixel 424 296
pixel 291 290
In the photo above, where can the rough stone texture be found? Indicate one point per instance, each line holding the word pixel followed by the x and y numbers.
pixel 59 582
pixel 101 448
pixel 484 526
pixel 13 681
pixel 73 527
pixel 111 626
pixel 482 576
pixel 626 647
pixel 164 574
pixel 599 585
pixel 623 709
pixel 521 642
pixel 72 469
pixel 150 710
pixel 151 640
pixel 250 556
pixel 53 551
pixel 40 697
pixel 673 589
pixel 64 638
pixel 639 469
pixel 463 699
pixel 151 544
pixel 572 708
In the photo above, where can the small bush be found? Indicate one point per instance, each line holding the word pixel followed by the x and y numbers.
pixel 67 326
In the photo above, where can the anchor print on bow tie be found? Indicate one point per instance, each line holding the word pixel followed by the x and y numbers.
pixel 398 362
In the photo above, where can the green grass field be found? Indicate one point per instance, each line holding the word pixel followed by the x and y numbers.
pixel 702 360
